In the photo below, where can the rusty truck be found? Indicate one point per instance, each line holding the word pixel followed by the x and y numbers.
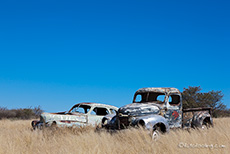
pixel 158 110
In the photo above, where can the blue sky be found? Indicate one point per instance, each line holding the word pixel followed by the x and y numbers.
pixel 58 53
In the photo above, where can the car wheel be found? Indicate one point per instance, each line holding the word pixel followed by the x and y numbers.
pixel 156 133
pixel 205 125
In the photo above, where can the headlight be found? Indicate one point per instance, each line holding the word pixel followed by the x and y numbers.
pixel 132 119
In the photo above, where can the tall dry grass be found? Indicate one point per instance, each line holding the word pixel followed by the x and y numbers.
pixel 17 137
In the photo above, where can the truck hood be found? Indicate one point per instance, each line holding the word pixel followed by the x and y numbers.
pixel 139 109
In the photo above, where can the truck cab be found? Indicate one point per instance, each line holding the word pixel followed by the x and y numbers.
pixel 168 100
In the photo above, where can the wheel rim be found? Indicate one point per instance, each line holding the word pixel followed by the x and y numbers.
pixel 155 135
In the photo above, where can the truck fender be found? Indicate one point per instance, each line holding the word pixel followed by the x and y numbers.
pixel 202 118
pixel 152 121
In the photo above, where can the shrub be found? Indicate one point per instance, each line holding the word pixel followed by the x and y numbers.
pixel 21 113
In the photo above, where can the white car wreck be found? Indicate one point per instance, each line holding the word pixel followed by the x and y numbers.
pixel 82 114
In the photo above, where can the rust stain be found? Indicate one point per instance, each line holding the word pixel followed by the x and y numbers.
pixel 175 114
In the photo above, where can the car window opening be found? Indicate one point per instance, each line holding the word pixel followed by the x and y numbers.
pixel 81 109
pixel 100 111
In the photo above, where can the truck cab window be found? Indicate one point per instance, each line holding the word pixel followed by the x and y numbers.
pixel 138 98
pixel 156 97
pixel 149 97
pixel 174 99
pixel 160 98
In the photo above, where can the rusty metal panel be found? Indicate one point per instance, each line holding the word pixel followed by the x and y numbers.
pixel 187 119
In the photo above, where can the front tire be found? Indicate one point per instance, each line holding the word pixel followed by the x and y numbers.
pixel 156 133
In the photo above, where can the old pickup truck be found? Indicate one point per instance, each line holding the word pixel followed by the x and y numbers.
pixel 81 114
pixel 158 110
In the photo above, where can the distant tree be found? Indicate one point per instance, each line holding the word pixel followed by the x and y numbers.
pixel 37 111
pixel 22 113
pixel 189 96
pixel 193 97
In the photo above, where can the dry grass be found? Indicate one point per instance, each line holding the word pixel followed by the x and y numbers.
pixel 17 137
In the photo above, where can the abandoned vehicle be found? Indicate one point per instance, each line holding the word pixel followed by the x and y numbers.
pixel 81 114
pixel 158 110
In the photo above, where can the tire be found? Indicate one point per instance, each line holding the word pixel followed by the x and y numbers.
pixel 53 125
pixel 205 125
pixel 156 133
pixel 33 123
pixel 105 122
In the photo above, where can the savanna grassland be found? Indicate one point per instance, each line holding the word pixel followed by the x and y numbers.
pixel 16 136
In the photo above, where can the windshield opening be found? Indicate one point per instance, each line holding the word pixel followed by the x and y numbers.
pixel 81 109
pixel 149 97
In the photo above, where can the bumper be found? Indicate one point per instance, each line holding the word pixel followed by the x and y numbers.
pixel 37 124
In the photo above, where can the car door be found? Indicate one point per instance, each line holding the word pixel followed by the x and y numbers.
pixel 96 115
pixel 77 116
pixel 173 114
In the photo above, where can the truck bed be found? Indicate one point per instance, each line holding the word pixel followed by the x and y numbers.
pixel 194 116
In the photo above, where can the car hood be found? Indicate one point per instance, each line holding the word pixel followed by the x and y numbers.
pixel 139 109
pixel 61 116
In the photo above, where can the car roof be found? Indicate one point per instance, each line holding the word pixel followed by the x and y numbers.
pixel 97 105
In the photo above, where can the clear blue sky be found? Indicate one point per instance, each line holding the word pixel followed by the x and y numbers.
pixel 58 53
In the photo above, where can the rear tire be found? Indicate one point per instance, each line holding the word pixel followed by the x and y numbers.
pixel 206 125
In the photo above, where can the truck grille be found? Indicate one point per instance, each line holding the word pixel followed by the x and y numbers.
pixel 124 122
